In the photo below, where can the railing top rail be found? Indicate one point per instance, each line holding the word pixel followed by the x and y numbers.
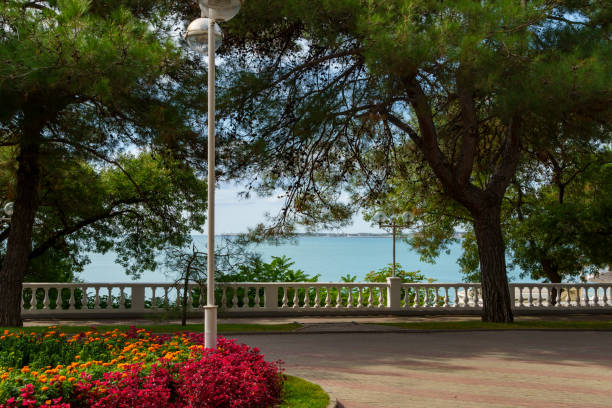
pixel 346 284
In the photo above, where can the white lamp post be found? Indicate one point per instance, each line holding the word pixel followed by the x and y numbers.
pixel 394 223
pixel 199 39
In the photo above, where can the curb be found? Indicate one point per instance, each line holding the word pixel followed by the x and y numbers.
pixel 397 331
pixel 333 401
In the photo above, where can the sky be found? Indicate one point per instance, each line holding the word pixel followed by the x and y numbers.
pixel 234 214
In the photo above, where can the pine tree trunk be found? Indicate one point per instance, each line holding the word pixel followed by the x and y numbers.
pixel 495 292
pixel 19 245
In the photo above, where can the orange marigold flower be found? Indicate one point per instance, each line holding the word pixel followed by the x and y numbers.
pixel 45 388
pixel 25 369
pixel 71 379
pixel 62 378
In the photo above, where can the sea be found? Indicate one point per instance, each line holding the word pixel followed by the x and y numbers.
pixel 331 257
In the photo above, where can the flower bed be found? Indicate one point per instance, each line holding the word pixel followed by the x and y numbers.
pixel 132 369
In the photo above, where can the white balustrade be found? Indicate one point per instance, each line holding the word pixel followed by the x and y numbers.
pixel 304 297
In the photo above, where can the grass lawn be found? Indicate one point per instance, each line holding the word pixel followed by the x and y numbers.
pixel 520 325
pixel 300 393
pixel 170 328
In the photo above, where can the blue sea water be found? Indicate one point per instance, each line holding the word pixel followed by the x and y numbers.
pixel 331 257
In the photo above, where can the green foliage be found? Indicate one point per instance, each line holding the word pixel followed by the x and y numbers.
pixel 382 274
pixel 277 270
pixel 136 208
pixel 348 278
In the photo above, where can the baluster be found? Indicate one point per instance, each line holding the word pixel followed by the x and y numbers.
pixel 245 298
pixel 109 301
pixel 426 298
pixel 381 296
pixel 370 297
pixel 436 299
pixel 71 304
pixel 234 296
pixel 317 300
pixel 46 300
pixel 257 299
pixel 605 296
pixel 339 296
pixel 166 301
pixel 595 296
pixel 58 299
pixel 455 297
pixel 122 297
pixel 445 304
pixel 349 302
pixel 417 301
pixel 360 300
pixel 285 298
pixel 179 297
pixel 223 296
pixel 328 297
pixel 538 296
pixel 307 297
pixel 189 298
pixel 153 298
pixel 84 298
pixel 296 300
pixel 97 298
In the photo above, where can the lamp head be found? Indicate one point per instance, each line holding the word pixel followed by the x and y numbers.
pixel 9 208
pixel 197 35
pixel 407 217
pixel 220 10
pixel 379 217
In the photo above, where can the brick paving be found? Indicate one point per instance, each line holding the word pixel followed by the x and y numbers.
pixel 451 369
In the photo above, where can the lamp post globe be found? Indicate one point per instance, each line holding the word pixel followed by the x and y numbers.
pixel 407 217
pixel 379 218
pixel 9 208
pixel 220 10
pixel 197 35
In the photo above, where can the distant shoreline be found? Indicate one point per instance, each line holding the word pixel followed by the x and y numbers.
pixel 338 235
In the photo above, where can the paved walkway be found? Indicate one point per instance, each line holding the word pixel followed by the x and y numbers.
pixel 461 369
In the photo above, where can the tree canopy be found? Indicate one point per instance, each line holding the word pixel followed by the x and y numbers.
pixel 321 100
pixel 82 84
pixel 136 209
